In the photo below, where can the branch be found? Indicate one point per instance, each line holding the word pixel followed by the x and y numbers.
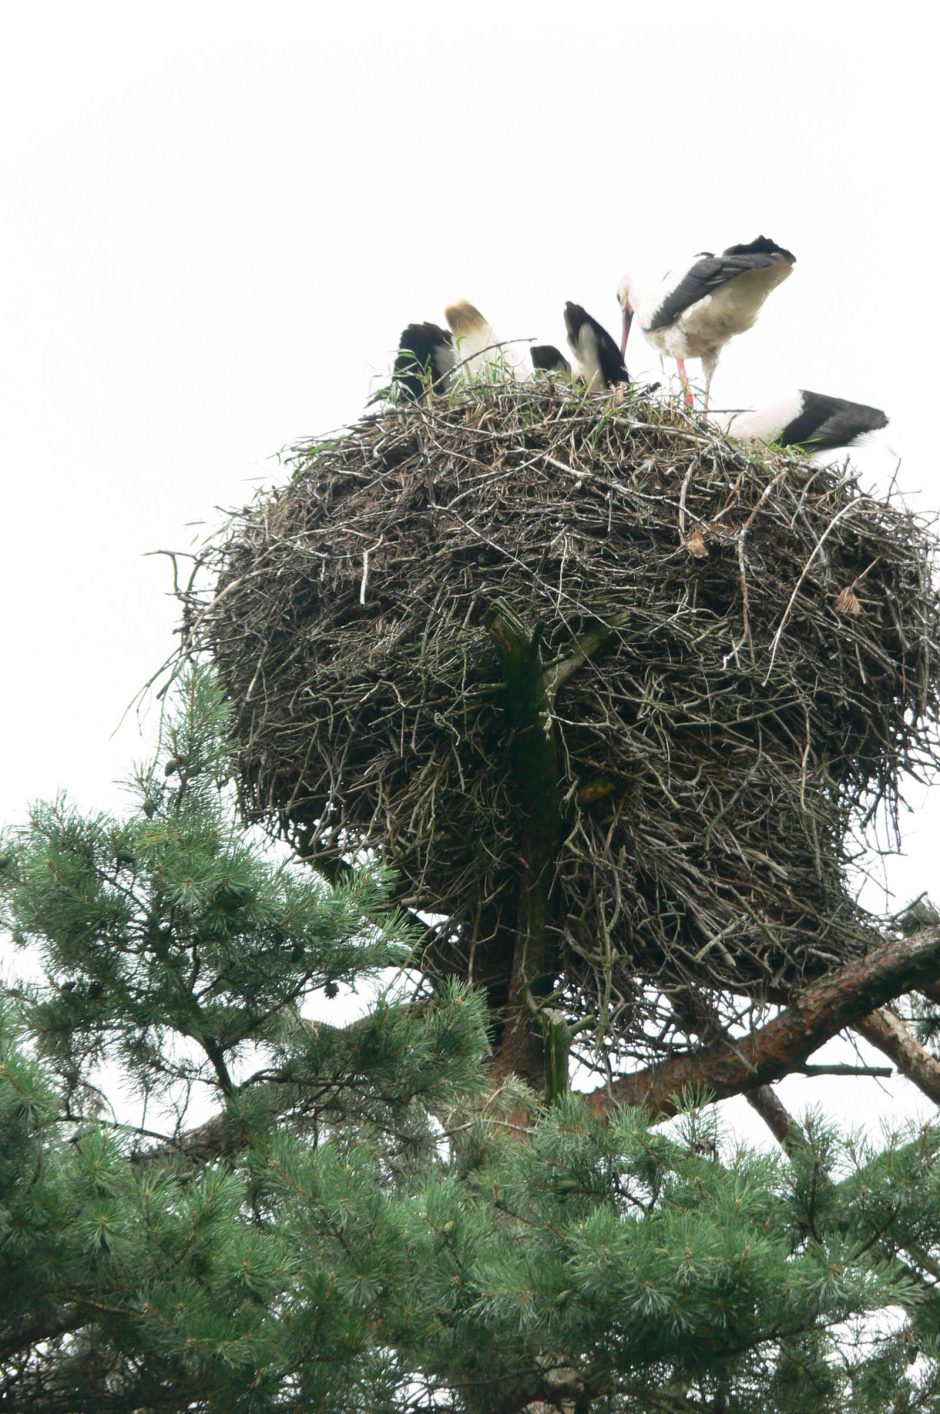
pixel 931 990
pixel 777 1118
pixel 874 1072
pixel 888 1032
pixel 556 1039
pixel 40 1329
pixel 697 1012
pixel 824 1009
pixel 533 748
pixel 558 673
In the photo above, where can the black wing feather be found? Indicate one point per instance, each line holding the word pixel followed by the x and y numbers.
pixel 762 246
pixel 425 354
pixel 549 359
pixel 612 367
pixel 710 272
pixel 825 423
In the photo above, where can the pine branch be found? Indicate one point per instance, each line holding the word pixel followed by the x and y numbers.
pixel 558 673
pixel 824 1009
pixel 765 1102
pixel 887 1031
pixel 697 1014
pixel 42 1329
pixel 556 1035
pixel 723 1068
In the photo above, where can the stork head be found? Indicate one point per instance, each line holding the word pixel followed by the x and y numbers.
pixel 627 302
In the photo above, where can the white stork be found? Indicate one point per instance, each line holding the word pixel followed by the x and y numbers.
pixel 702 305
pixel 815 421
pixel 425 357
pixel 600 360
pixel 478 344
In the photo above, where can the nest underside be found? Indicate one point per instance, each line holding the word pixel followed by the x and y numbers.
pixel 744 647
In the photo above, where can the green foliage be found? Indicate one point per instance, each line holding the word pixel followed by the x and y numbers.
pixel 348 1224
pixel 170 927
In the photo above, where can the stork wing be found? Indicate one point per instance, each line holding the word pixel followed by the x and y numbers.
pixel 763 245
pixel 710 272
pixel 592 345
pixel 824 423
pixel 425 354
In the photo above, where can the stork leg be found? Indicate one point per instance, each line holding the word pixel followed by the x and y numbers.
pixel 683 377
pixel 708 368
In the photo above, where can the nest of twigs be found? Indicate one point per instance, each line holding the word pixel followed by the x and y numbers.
pixel 748 645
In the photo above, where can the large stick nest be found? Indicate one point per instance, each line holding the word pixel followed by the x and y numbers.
pixel 758 641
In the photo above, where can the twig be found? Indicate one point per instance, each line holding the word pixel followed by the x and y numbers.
pixel 840 515
pixel 365 568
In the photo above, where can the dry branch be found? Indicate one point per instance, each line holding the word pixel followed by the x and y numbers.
pixel 776 1116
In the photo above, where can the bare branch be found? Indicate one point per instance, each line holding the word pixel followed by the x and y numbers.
pixel 824 1009
pixel 872 1072
pixel 776 1116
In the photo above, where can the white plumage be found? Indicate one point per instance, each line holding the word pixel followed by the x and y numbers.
pixel 477 342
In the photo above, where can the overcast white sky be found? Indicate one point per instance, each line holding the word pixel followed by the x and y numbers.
pixel 218 217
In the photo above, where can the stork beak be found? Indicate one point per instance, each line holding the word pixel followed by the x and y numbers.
pixel 627 321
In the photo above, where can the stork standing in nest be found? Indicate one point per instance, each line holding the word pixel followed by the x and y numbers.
pixel 700 306
pixel 600 361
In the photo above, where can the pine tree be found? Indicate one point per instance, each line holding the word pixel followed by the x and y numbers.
pixel 211 1199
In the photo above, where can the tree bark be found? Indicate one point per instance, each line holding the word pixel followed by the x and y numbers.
pixel 888 1032
pixel 776 1116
